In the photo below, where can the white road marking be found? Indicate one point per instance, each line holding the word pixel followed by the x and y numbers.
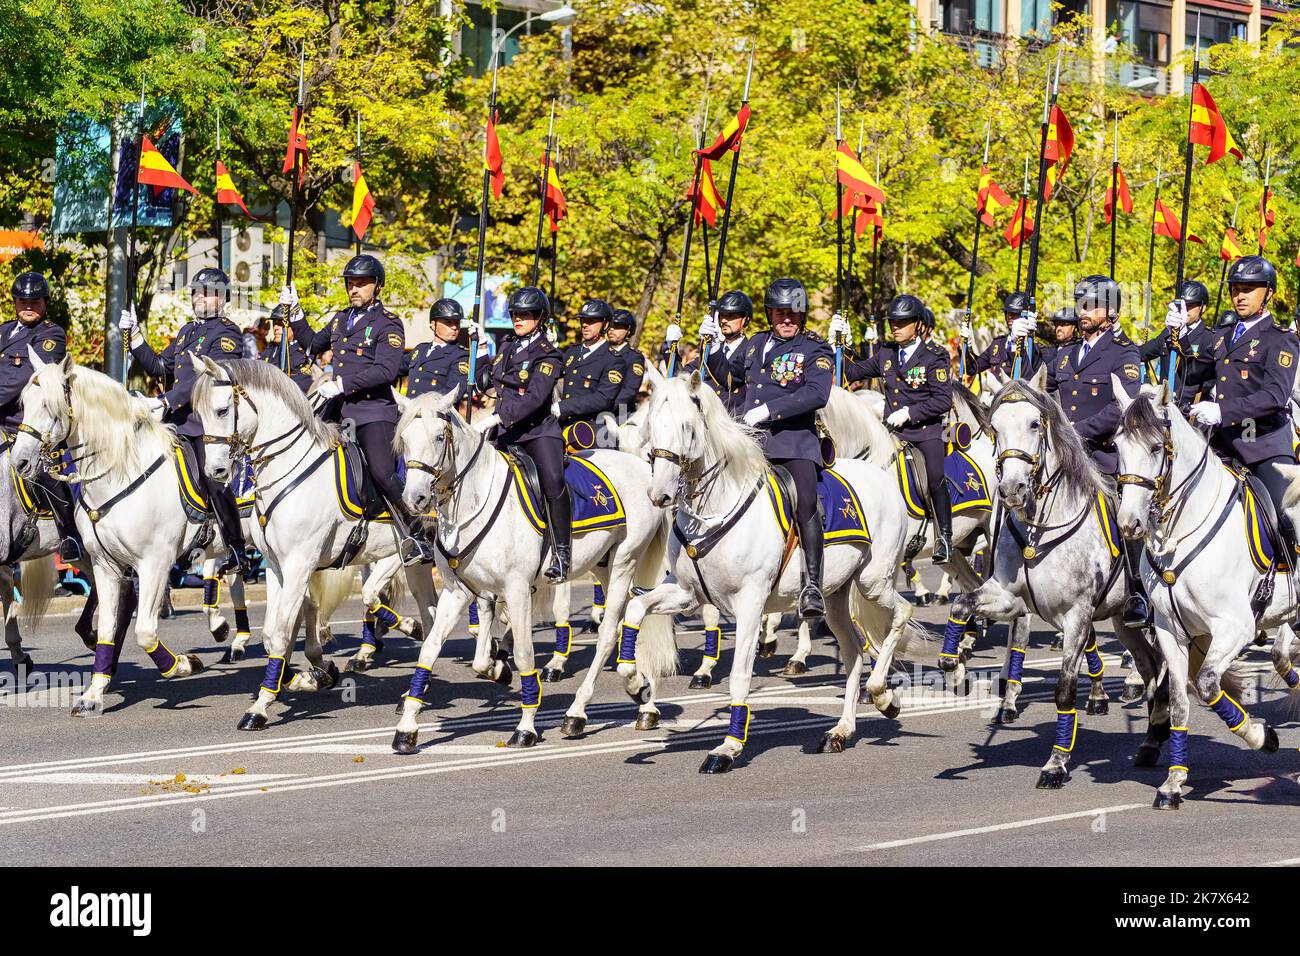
pixel 1294 861
pixel 997 827
pixel 65 778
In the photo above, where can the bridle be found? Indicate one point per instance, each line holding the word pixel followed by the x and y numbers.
pixel 1034 460
pixel 447 459
pixel 45 440
pixel 1162 494
pixel 692 482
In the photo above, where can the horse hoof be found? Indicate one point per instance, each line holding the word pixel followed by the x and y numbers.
pixel 573 727
pixel 552 675
pixel 251 721
pixel 331 675
pixel 642 696
pixel 404 742
pixel 356 665
pixel 1270 744
pixel 87 708
pixel 221 632
pixel 832 743
pixel 505 676
pixel 522 738
pixel 1007 715
pixel 794 669
pixel 1098 707
pixel 893 710
pixel 1131 694
pixel 949 664
pixel 196 664
pixel 1058 642
pixel 716 763
pixel 1052 779
pixel 1260 638
pixel 1167 801
pixel 767 650
pixel 701 682
pixel 647 721
pixel 417 631
pixel 26 664
pixel 88 639
pixel 1147 756
pixel 965 653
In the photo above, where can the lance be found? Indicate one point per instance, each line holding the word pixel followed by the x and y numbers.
pixel 1223 272
pixel 476 322
pixel 555 236
pixel 731 181
pixel 1050 90
pixel 1263 200
pixel 853 243
pixel 1024 212
pixel 1151 253
pixel 133 264
pixel 541 208
pixel 358 163
pixel 839 237
pixel 221 239
pixel 875 261
pixel 1187 167
pixel 293 210
pixel 690 231
pixel 980 201
pixel 709 292
pixel 1114 196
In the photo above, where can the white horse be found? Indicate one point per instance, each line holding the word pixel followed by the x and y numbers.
pixel 130 514
pixel 488 546
pixel 1176 494
pixel 711 468
pixel 1054 556
pixel 252 407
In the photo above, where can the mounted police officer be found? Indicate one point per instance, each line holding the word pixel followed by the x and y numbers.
pixel 213 335
pixel 1081 376
pixel 734 311
pixel 1001 353
pixel 593 372
pixel 1247 375
pixel 622 326
pixel 441 365
pixel 367 343
pixel 787 374
pixel 1065 333
pixel 35 330
pixel 300 365
pixel 523 374
pixel 1186 326
pixel 918 397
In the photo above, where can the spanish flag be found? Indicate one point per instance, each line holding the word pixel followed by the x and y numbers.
pixel 492 156
pixel 1231 246
pixel 155 171
pixel 869 215
pixel 1167 224
pixel 854 175
pixel 297 144
pixel 1208 128
pixel 1125 200
pixel 989 194
pixel 1021 226
pixel 730 136
pixel 363 202
pixel 227 194
pixel 706 202
pixel 1266 217
pixel 1057 149
pixel 553 201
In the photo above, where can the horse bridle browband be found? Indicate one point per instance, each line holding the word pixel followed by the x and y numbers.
pixel 1161 493
pixel 1034 461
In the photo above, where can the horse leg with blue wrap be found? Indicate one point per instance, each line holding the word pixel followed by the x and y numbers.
pixel 702 679
pixel 560 599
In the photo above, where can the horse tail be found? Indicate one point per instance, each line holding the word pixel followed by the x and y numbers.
pixel 875 621
pixel 38 577
pixel 330 588
pixel 656 646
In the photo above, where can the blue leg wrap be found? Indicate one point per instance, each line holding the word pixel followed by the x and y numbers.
pixel 712 643
pixel 1067 725
pixel 598 596
pixel 419 683
pixel 1292 678
pixel 627 644
pixel 1015 665
pixel 563 639
pixel 368 638
pixel 241 621
pixel 530 689
pixel 1177 748
pixel 274 675
pixel 104 664
pixel 738 730
pixel 952 635
pixel 385 615
pixel 1229 711
pixel 211 592
pixel 163 659
pixel 1095 666
pixel 473 617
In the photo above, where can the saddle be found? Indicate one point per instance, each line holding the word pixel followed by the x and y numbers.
pixel 358 495
pixel 912 476
pixel 190 482
pixel 1266 544
pixel 595 502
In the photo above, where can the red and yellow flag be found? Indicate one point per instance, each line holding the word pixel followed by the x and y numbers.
pixel 1125 200
pixel 1021 226
pixel 1230 248
pixel 363 202
pixel 989 195
pixel 1167 224
pixel 706 202
pixel 155 171
pixel 227 194
pixel 492 161
pixel 297 144
pixel 1208 128
pixel 1057 149
pixel 553 202
pixel 869 215
pixel 730 136
pixel 1266 217
pixel 850 171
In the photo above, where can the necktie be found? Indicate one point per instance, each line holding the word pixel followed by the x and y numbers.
pixel 1083 353
pixel 1238 331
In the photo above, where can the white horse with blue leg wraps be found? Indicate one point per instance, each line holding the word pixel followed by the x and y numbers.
pixel 489 543
pixel 730 548
pixel 1054 556
pixel 1203 565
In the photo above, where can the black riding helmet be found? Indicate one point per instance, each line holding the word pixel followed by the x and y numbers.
pixel 1015 303
pixel 365 266
pixel 1098 290
pixel 31 285
pixel 787 294
pixel 624 320
pixel 447 309
pixel 736 303
pixel 908 308
pixel 1066 316
pixel 1253 270
pixel 529 299
pixel 595 309
pixel 211 278
pixel 1194 293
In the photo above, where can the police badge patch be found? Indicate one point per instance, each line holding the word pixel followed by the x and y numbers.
pixel 463 368
pixel 941 374
pixel 615 377
pixel 1131 371
pixel 48 346
pixel 1283 358
pixel 227 345
pixel 546 368
pixel 824 364
pixel 394 340
pixel 638 369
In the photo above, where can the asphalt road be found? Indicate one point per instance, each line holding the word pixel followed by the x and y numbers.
pixel 321 786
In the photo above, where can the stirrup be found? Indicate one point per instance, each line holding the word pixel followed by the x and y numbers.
pixel 236 559
pixel 415 550
pixel 558 571
pixel 943 549
pixel 811 602
pixel 1129 616
pixel 70 549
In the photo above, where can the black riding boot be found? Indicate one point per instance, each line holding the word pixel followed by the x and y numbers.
pixel 224 509
pixel 559 514
pixel 942 507
pixel 811 604
pixel 1137 613
pixel 416 547
pixel 60 503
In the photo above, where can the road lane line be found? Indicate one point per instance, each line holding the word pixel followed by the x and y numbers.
pixel 996 828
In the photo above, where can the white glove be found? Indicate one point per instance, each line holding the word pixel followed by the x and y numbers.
pixel 673 335
pixel 555 409
pixel 1207 413
pixel 839 331
pixel 289 299
pixel 756 414
pixel 967 332
pixel 482 349
pixel 156 407
pixel 899 417
pixel 1024 325
pixel 128 323
pixel 330 388
pixel 1176 316
pixel 710 328
pixel 872 335
pixel 486 423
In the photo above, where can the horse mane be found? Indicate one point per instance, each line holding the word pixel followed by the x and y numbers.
pixel 256 375
pixel 857 427
pixel 1142 421
pixel 102 407
pixel 429 404
pixel 729 440
pixel 1079 473
pixel 971 405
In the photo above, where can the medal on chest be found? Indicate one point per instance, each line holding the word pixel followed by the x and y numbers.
pixel 788 369
pixel 915 377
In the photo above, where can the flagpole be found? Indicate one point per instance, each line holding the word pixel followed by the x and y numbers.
pixel 853 234
pixel 839 236
pixel 1223 272
pixel 731 182
pixel 980 202
pixel 1114 196
pixel 354 231
pixel 1151 246
pixel 1187 162
pixel 221 241
pixel 555 237
pixel 293 210
pixel 690 232
pixel 1263 201
pixel 541 209
pixel 132 262
pixel 1024 212
pixel 709 293
pixel 875 261
pixel 1031 281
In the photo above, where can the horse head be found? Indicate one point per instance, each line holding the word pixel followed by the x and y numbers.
pixel 1022 441
pixel 1144 440
pixel 228 414
pixel 433 438
pixel 673 431
pixel 47 414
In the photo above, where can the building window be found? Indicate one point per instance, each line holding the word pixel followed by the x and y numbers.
pixel 476 36
pixel 1215 28
pixel 1037 16
pixel 971 16
pixel 1143 26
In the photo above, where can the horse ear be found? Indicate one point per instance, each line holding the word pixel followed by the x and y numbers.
pixel 1117 389
pixel 695 381
pixel 34 357
pixel 1162 397
pixel 402 401
pixel 197 362
pixel 653 377
pixel 213 368
pixel 1039 381
pixel 67 365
